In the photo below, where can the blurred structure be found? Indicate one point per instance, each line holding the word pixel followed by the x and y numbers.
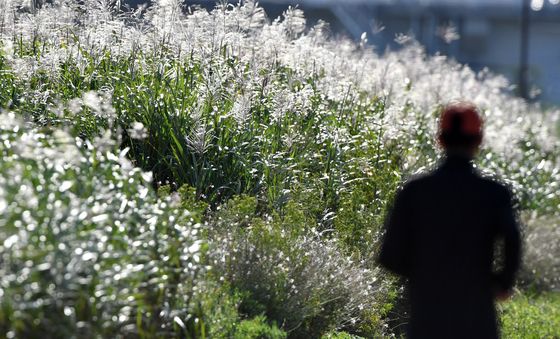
pixel 480 33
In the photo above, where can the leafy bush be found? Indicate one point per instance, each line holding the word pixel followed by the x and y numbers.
pixel 86 249
pixel 289 273
pixel 541 254
pixel 340 335
pixel 257 328
pixel 531 316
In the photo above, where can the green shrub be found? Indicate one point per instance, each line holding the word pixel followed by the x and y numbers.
pixel 540 269
pixel 531 316
pixel 86 249
pixel 339 335
pixel 286 271
pixel 257 328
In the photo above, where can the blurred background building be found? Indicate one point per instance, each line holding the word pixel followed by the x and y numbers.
pixel 517 38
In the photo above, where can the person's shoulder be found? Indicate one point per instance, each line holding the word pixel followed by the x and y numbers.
pixel 495 185
pixel 409 188
pixel 417 181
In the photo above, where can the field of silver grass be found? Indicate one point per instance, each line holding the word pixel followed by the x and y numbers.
pixel 275 149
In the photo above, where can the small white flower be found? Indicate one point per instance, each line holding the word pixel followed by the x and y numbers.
pixel 138 131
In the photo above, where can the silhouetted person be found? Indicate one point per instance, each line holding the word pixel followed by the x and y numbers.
pixel 441 234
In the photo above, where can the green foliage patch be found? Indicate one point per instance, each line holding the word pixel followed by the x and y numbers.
pixel 531 316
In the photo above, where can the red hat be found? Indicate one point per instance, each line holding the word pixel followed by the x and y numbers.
pixel 460 124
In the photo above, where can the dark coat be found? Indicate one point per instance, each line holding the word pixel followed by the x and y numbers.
pixel 441 235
